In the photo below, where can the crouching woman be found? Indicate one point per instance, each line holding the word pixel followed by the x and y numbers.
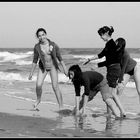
pixel 93 82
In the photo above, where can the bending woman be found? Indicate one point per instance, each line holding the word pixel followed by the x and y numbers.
pixel 47 52
pixel 129 68
pixel 93 82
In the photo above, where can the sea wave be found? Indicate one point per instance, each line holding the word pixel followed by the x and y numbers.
pixel 23 62
pixel 9 76
pixel 62 78
pixel 11 57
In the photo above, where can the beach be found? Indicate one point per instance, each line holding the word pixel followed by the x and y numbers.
pixel 18 119
pixel 17 96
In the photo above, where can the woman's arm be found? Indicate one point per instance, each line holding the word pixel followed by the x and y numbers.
pixel 77 97
pixel 32 71
pixel 77 101
pixel 90 59
pixel 96 56
pixel 125 59
pixel 84 104
pixel 86 94
pixel 64 68
pixel 102 64
pixel 35 59
pixel 61 59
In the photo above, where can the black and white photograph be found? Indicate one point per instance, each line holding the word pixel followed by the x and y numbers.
pixel 69 69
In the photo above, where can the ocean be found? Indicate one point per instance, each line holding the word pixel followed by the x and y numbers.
pixel 15 63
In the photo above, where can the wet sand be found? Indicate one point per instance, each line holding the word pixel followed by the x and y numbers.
pixel 18 119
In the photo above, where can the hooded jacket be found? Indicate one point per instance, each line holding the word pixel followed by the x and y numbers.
pixel 55 53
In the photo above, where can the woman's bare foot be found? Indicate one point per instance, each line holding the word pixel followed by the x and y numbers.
pixel 35 107
pixel 123 115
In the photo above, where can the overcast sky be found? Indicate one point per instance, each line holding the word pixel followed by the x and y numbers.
pixel 69 24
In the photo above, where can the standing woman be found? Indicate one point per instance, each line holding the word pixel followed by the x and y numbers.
pixel 112 62
pixel 47 52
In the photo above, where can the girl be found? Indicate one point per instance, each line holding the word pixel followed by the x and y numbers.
pixel 112 62
pixel 93 82
pixel 47 52
pixel 129 67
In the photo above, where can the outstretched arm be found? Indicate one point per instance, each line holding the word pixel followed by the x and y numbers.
pixel 90 59
pixel 64 68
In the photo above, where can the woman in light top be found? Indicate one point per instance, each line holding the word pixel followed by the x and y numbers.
pixel 48 54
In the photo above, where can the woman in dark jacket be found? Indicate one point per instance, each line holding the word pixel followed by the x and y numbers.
pixel 112 62
pixel 47 52
pixel 93 82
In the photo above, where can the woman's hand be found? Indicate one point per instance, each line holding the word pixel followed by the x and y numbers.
pixel 66 73
pixel 30 77
pixel 87 61
pixel 120 88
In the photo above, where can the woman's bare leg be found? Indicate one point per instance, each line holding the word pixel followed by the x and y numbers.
pixel 126 78
pixel 137 79
pixel 108 109
pixel 117 101
pixel 55 86
pixel 40 79
pixel 112 105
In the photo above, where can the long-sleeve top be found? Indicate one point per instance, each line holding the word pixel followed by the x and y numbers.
pixel 127 64
pixel 88 79
pixel 110 52
pixel 55 53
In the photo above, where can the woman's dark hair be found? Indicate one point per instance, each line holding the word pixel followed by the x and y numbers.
pixel 106 29
pixel 120 43
pixel 77 71
pixel 40 29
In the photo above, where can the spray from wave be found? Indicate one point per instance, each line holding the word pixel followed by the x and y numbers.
pixel 24 78
pixel 15 57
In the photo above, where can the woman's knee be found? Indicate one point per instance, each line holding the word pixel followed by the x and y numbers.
pixel 55 87
pixel 38 87
pixel 108 101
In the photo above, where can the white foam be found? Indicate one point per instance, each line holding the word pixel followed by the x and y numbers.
pixel 132 113
pixel 17 76
pixel 131 84
pixel 23 62
pixel 11 57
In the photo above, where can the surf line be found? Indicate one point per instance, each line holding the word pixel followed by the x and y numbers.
pixel 48 102
pixel 132 113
